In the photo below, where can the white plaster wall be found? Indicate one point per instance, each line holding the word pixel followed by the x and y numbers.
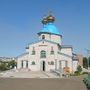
pixel 52 37
pixel 56 38
pixel 42 46
pixel 47 36
pixel 75 64
pixel 67 51
pixel 24 57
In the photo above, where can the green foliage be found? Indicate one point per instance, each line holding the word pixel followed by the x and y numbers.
pixel 6 65
pixel 3 67
pixel 76 73
pixel 85 62
pixel 11 64
pixel 79 70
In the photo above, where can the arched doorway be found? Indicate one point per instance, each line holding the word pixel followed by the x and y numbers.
pixel 42 65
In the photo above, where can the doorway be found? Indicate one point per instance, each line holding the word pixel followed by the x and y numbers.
pixel 43 66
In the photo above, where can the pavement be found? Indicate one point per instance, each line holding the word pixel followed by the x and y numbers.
pixel 27 74
pixel 23 80
pixel 73 83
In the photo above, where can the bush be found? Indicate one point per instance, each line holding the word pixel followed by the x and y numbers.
pixel 3 67
pixel 79 70
pixel 7 65
pixel 76 73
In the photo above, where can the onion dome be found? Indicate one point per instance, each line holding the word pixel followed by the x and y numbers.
pixel 44 21
pixel 48 26
pixel 50 18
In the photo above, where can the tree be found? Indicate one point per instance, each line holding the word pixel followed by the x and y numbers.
pixel 3 66
pixel 86 62
pixel 7 65
pixel 79 70
pixel 12 64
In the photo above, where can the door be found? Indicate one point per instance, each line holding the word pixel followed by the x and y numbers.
pixel 43 66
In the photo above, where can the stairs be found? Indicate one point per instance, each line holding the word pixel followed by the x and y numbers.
pixel 23 70
pixel 50 75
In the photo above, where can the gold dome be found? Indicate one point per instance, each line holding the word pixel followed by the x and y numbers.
pixel 44 21
pixel 50 18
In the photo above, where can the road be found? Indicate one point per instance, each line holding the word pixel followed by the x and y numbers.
pixel 73 83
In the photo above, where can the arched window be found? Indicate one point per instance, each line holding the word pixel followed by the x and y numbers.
pixel 22 63
pixel 43 54
pixel 33 51
pixel 33 63
pixel 52 51
pixel 26 64
pixel 52 62
pixel 43 36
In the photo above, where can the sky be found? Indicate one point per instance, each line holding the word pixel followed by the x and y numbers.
pixel 20 21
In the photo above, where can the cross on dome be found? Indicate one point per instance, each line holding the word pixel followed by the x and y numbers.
pixel 48 26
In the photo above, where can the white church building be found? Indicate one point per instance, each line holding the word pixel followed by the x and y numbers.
pixel 48 53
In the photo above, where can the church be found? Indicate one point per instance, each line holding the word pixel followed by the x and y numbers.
pixel 48 52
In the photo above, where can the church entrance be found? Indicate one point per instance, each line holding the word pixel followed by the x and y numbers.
pixel 42 66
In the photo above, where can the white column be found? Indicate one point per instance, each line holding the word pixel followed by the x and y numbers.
pixel 19 64
pixel 60 65
pixel 29 65
pixel 24 64
pixel 60 68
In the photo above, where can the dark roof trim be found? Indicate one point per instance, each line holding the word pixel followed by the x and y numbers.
pixel 42 40
pixel 49 33
pixel 65 54
pixel 66 46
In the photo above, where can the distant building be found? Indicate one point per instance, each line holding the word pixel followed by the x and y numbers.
pixel 48 52
pixel 7 58
pixel 79 58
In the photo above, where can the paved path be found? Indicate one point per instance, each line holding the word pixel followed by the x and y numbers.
pixel 42 84
pixel 30 74
pixel 11 80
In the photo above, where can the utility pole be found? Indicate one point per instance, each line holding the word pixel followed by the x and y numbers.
pixel 88 53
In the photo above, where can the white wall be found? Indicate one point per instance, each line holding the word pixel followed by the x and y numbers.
pixel 52 37
pixel 66 55
pixel 56 38
pixel 75 64
pixel 19 60
pixel 43 45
